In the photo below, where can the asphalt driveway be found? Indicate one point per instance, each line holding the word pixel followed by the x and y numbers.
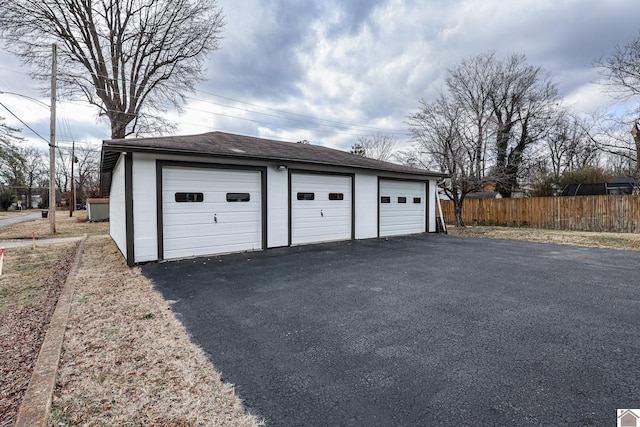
pixel 426 330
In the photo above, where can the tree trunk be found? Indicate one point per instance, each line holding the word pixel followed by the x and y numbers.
pixel 502 145
pixel 457 208
pixel 636 138
pixel 119 122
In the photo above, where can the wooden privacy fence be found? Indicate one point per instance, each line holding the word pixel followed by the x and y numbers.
pixel 585 213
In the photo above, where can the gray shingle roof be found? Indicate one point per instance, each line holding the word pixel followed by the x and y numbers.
pixel 221 144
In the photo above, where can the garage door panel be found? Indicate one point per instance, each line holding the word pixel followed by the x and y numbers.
pixel 213 225
pixel 320 219
pixel 210 242
pixel 213 231
pixel 402 218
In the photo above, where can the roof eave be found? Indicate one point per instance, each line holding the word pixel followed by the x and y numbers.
pixel 119 148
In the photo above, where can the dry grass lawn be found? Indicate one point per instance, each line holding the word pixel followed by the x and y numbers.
pixel 628 241
pixel 65 227
pixel 30 284
pixel 128 361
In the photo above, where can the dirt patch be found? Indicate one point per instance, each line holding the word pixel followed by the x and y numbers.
pixel 627 241
pixel 65 227
pixel 29 290
pixel 128 361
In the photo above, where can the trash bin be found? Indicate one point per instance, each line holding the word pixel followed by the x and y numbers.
pixel 45 214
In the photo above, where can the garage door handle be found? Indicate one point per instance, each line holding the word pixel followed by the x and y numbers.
pixel 321 214
pixel 215 218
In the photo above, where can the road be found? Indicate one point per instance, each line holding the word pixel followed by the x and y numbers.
pixel 5 222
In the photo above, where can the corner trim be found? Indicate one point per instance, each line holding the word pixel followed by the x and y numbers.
pixel 128 202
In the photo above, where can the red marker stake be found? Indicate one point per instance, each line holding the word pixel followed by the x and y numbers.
pixel 33 240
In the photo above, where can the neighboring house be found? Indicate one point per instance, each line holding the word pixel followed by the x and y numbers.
pixel 616 186
pixel 484 195
pixel 621 186
pixel 182 196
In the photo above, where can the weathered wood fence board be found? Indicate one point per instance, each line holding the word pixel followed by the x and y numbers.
pixel 585 213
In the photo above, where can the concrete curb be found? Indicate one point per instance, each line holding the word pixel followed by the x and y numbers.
pixel 36 403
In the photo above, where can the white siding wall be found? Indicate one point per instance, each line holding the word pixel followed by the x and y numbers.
pixel 145 234
pixel 277 208
pixel 144 204
pixel 117 217
pixel 366 215
pixel 433 208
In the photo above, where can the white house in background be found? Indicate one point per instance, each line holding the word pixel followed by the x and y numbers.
pixel 182 196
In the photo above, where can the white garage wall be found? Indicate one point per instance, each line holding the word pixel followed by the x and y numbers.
pixel 277 208
pixel 145 224
pixel 366 205
pixel 144 202
pixel 432 206
pixel 117 209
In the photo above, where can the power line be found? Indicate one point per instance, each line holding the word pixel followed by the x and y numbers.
pixel 21 121
pixel 315 119
pixel 276 124
pixel 307 119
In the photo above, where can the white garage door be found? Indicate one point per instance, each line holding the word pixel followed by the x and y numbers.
pixel 320 208
pixel 402 207
pixel 209 211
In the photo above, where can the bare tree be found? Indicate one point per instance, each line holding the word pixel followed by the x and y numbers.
pixel 621 72
pixel 569 144
pixel 471 85
pixel 11 165
pixel 438 130
pixel 610 134
pixel 523 100
pixel 63 170
pixel 130 58
pixel 88 178
pixel 34 170
pixel 358 150
pixel 377 146
pixel 508 101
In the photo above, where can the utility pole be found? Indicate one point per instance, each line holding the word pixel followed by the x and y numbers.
pixel 52 144
pixel 72 202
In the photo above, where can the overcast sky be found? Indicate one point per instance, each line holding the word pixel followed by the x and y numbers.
pixel 330 71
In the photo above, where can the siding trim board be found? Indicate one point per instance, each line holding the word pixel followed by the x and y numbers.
pixel 161 164
pixel 128 200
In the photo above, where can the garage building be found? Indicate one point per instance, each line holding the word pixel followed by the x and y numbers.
pixel 182 196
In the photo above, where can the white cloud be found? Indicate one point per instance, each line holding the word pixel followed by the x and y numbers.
pixel 354 67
